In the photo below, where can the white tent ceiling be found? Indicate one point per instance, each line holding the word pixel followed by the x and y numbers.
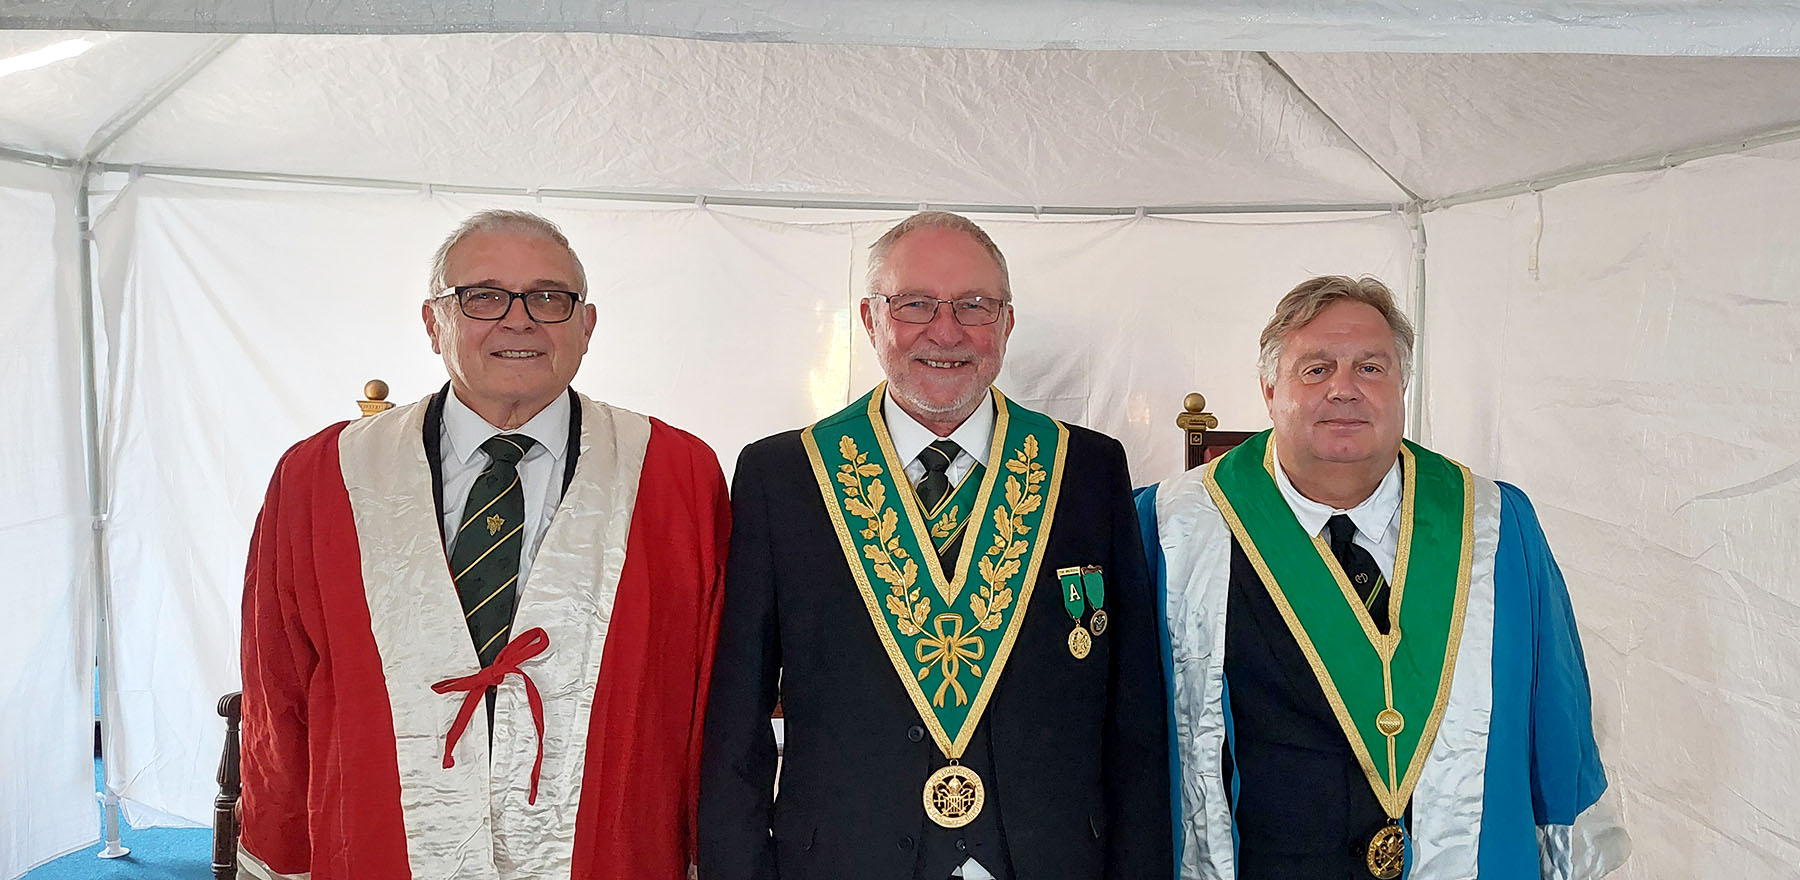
pixel 900 125
pixel 1644 27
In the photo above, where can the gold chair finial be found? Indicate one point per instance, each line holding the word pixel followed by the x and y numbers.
pixel 375 393
pixel 1196 420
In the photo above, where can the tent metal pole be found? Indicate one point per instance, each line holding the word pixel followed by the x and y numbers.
pixel 96 490
pixel 116 127
pixel 1782 135
pixel 751 201
pixel 1415 407
pixel 29 158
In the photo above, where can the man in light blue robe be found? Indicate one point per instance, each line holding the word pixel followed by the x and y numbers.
pixel 1278 768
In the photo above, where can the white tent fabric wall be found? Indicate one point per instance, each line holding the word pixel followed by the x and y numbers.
pixel 1627 354
pixel 1119 319
pixel 247 318
pixel 46 756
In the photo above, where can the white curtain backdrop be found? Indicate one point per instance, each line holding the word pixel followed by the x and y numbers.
pixel 1624 349
pixel 46 667
pixel 244 318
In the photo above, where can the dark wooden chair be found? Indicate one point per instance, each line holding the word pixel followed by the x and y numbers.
pixel 1205 441
pixel 225 806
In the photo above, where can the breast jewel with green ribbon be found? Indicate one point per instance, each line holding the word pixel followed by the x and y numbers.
pixel 949 632
pixel 1387 690
pixel 1083 587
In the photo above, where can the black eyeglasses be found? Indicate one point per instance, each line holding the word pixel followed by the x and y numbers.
pixel 969 311
pixel 492 303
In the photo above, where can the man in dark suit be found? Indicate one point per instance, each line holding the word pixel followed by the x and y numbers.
pixel 945 592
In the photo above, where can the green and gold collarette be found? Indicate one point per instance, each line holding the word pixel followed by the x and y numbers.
pixel 1388 691
pixel 937 631
pixel 948 520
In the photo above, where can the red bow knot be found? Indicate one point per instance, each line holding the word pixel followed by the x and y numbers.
pixel 528 645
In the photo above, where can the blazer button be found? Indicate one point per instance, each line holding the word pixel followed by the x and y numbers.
pixel 915 733
pixel 962 845
pixel 906 842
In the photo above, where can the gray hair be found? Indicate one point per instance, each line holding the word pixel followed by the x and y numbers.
pixel 518 222
pixel 1304 303
pixel 878 252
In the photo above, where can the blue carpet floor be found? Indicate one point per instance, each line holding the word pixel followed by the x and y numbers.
pixel 156 854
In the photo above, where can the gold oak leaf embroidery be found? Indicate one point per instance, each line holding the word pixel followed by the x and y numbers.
pixel 1005 554
pixel 946 527
pixel 881 525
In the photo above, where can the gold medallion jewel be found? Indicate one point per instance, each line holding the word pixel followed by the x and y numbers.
pixel 1080 643
pixel 953 796
pixel 1097 623
pixel 1390 722
pixel 1387 852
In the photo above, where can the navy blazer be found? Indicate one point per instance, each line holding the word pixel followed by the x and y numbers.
pixel 1078 782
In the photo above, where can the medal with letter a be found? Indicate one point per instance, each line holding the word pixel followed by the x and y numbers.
pixel 1083 586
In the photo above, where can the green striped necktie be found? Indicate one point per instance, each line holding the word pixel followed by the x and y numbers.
pixel 485 560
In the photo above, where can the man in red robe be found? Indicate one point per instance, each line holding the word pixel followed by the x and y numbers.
pixel 478 629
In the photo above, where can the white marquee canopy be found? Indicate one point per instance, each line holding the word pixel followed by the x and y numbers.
pixel 1589 205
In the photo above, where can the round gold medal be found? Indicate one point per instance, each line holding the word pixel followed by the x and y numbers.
pixel 1080 643
pixel 1387 852
pixel 953 796
pixel 1097 623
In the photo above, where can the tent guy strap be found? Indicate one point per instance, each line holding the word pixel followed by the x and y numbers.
pixel 1624 27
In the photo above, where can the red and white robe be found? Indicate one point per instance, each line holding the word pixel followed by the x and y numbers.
pixel 350 616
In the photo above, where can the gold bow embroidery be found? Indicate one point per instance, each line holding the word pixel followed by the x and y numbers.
pixel 949 649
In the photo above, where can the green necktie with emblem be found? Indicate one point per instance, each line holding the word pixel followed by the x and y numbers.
pixel 485 560
pixel 934 488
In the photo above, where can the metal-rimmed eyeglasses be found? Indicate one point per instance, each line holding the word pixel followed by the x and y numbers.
pixel 492 303
pixel 969 311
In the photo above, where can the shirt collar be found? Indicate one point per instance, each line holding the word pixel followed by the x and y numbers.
pixel 464 431
pixel 1372 517
pixel 975 435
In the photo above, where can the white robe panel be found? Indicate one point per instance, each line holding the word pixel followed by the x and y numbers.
pixel 472 820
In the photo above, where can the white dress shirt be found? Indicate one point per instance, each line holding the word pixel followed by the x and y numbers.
pixel 975 435
pixel 1377 518
pixel 540 471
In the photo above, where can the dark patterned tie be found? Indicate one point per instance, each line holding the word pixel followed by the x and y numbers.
pixel 1360 567
pixel 485 561
pixel 936 483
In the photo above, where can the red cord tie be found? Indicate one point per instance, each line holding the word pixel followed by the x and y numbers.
pixel 528 645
